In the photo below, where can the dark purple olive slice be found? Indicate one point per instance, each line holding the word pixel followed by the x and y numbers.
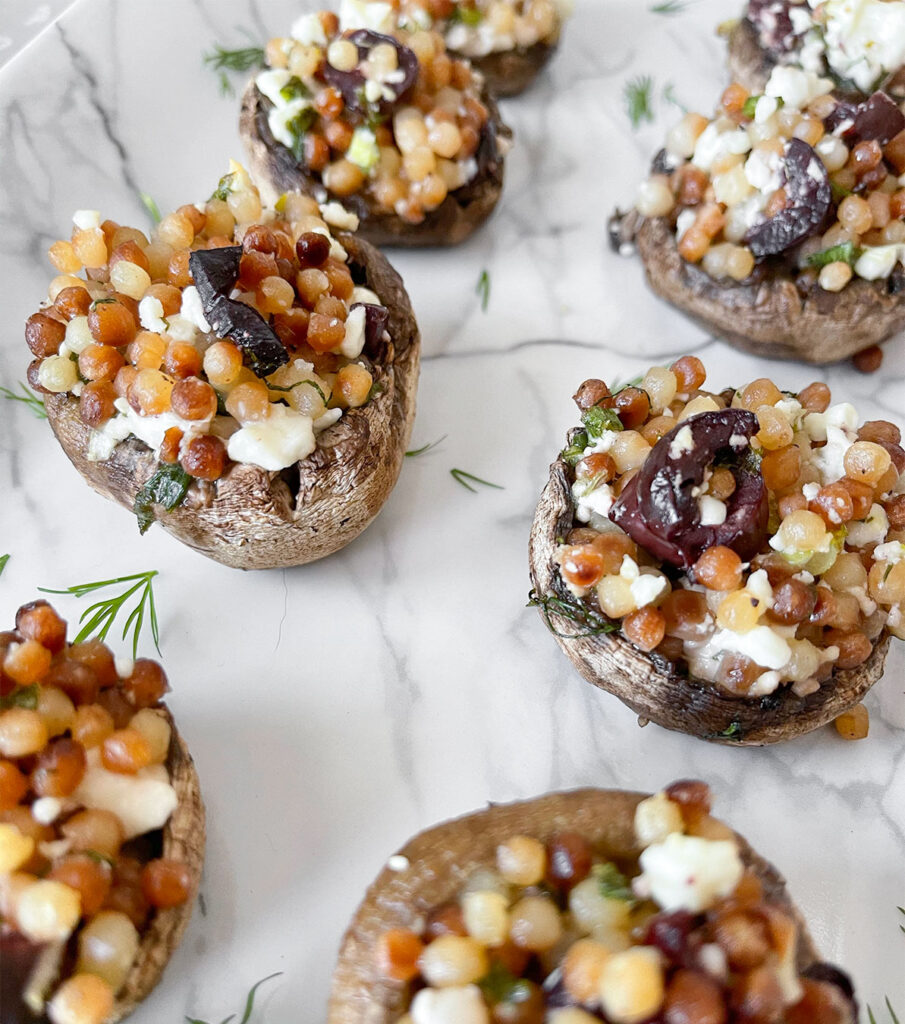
pixel 809 197
pixel 376 318
pixel 659 507
pixel 352 83
pixel 18 959
pixel 215 272
pixel 773 22
pixel 877 118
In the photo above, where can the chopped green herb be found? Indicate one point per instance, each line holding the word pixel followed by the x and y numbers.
pixel 249 1004
pixel 733 732
pixel 3 560
pixel 839 191
pixel 424 448
pixel 33 401
pixel 669 7
pixel 467 16
pixel 592 622
pixel 892 1013
pixel 298 384
pixel 482 288
pixel 223 60
pixel 497 983
pixel 461 477
pixel 147 201
pixel 574 451
pixel 224 187
pixel 846 252
pixel 901 910
pixel 377 388
pixel 102 302
pixel 597 420
pixel 750 107
pixel 622 385
pixel 102 614
pixel 611 883
pixel 23 697
pixel 100 858
pixel 297 127
pixel 637 98
pixel 295 89
pixel 167 487
pixel 669 95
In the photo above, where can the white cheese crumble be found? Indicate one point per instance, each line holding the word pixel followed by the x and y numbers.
pixel 645 586
pixel 878 261
pixel 193 309
pixel 398 863
pixel 85 220
pixel 863 38
pixel 454 1005
pixel 337 216
pixel 712 511
pixel 763 645
pixel 270 83
pixel 150 314
pixel 796 88
pixel 354 340
pixel 281 440
pixel 46 809
pixel 309 31
pixel 690 873
pixel 893 552
pixel 375 15
pixel 596 502
pixel 681 443
pixel 871 530
pixel 150 429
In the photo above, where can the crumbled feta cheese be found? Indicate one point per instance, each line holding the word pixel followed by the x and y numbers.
pixel 142 802
pixel 337 216
pixel 330 417
pixel 711 510
pixel 596 502
pixel 270 82
pixel 361 294
pixel 715 142
pixel 180 328
pixel 758 586
pixel 810 491
pixel 354 340
pixel 149 429
pixel 684 221
pixel 454 1005
pixel 308 30
pixel 763 645
pixel 85 220
pixel 398 863
pixel 796 88
pixel 863 39
pixel 124 666
pixel 681 443
pixel 280 118
pixel 765 108
pixel 46 809
pixel 691 873
pixel 764 171
pixel 765 684
pixel 150 314
pixel 878 261
pixel 871 530
pixel 377 16
pixel 281 440
pixel 193 309
pixel 893 552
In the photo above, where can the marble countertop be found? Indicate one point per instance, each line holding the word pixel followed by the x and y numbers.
pixel 336 708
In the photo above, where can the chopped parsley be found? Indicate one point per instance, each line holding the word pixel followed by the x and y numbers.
pixel 167 487
pixel 597 420
pixel 297 127
pixel 612 884
pixel 846 252
pixel 23 697
pixel 224 187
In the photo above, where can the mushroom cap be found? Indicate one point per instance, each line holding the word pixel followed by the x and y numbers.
pixel 275 171
pixel 511 72
pixel 441 859
pixel 652 686
pixel 255 519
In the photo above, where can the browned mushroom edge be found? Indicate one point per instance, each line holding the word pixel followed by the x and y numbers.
pixel 441 859
pixel 510 72
pixel 254 519
pixel 275 171
pixel 652 686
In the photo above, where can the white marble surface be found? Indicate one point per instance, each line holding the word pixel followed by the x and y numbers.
pixel 336 708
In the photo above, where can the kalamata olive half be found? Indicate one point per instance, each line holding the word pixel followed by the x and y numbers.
pixel 808 196
pixel 352 83
pixel 773 22
pixel 659 508
pixel 215 272
pixel 877 118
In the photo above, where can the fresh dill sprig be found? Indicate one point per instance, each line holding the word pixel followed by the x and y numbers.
pixel 33 401
pixel 223 61
pixel 669 96
pixel 591 622
pixel 901 910
pixel 637 98
pixel 669 7
pixel 892 1013
pixel 102 614
pixel 461 477
pixel 3 560
pixel 620 385
pixel 482 288
pixel 424 448
pixel 147 201
pixel 249 1004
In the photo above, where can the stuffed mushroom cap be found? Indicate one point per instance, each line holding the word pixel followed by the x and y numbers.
pixel 432 868
pixel 654 687
pixel 419 164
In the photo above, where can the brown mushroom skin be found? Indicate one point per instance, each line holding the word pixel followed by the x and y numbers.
pixel 442 858
pixel 254 519
pixel 653 687
pixel 510 72
pixel 275 171
pixel 749 63
pixel 768 317
pixel 183 839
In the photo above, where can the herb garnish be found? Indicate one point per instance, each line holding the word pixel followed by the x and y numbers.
pixel 167 487
pixel 892 1013
pixel 733 732
pixel 574 451
pixel 424 448
pixel 669 7
pixel 33 401
pixel 846 252
pixel 147 201
pixel 597 420
pixel 297 127
pixel 592 622
pixel 23 697
pixel 482 288
pixel 466 15
pixel 611 883
pixel 224 187
pixel 249 1004
pixel 223 60
pixel 500 985
pixel 377 388
pixel 102 614
pixel 669 94
pixel 901 910
pixel 295 89
pixel 3 560
pixel 461 477
pixel 637 99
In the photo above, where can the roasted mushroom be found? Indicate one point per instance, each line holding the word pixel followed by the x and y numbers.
pixel 101 829
pixel 729 565
pixel 388 124
pixel 561 909
pixel 247 379
pixel 778 224
pixel 862 45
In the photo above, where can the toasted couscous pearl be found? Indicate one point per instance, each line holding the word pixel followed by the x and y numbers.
pixel 82 999
pixel 47 911
pixel 632 985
